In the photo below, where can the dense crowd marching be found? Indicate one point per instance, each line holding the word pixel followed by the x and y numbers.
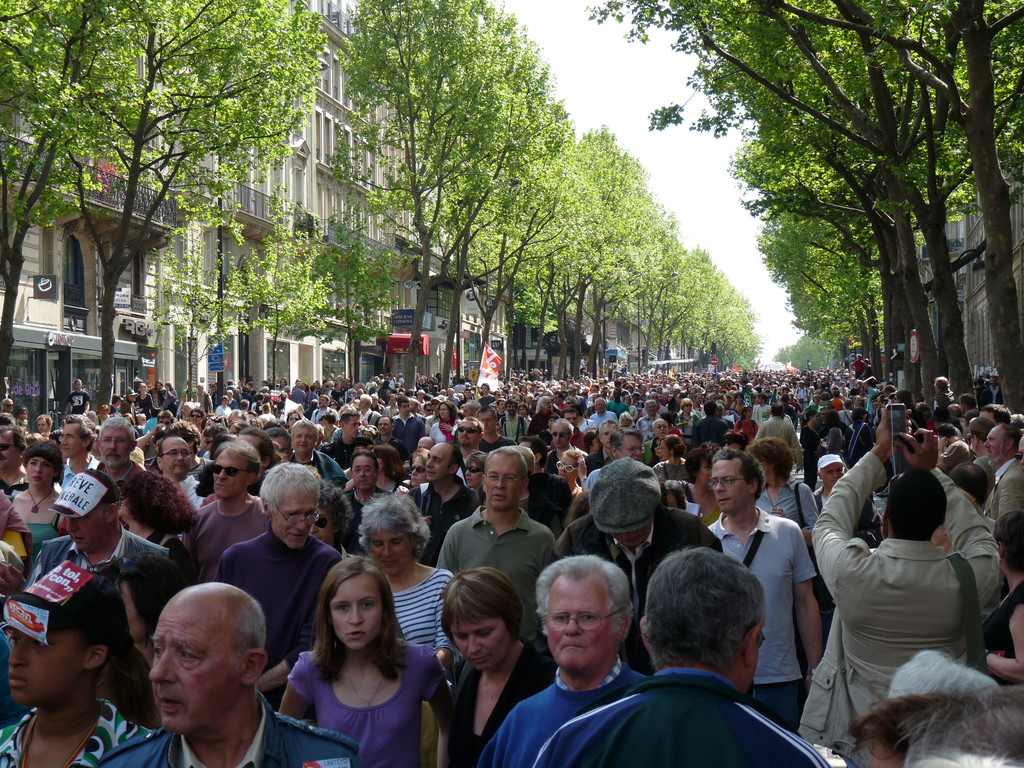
pixel 745 569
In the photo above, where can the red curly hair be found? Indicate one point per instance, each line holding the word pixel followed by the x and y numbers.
pixel 158 502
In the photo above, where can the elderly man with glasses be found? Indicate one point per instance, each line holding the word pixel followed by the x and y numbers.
pixel 585 605
pixel 283 569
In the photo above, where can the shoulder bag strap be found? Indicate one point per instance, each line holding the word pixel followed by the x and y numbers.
pixel 754 546
pixel 971 611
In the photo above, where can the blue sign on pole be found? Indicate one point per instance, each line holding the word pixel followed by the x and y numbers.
pixel 216 358
pixel 853 357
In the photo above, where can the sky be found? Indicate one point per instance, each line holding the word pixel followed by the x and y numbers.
pixel 606 80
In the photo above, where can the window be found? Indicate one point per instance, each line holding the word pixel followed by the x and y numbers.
pixel 439 303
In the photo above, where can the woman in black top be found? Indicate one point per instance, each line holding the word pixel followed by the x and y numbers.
pixel 481 615
pixel 1004 628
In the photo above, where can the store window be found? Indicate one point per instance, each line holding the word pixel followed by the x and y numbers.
pixel 278 360
pixel 333 364
pixel 26 374
pixel 87 368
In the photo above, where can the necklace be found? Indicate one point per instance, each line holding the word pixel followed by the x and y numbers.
pixel 359 696
pixel 35 504
pixel 74 753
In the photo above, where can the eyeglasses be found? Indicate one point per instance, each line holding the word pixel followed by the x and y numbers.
pixel 295 517
pixel 474 470
pixel 470 430
pixel 418 469
pixel 585 621
pixel 565 467
pixel 230 471
pixel 559 434
pixel 728 482
pixel 182 452
pixel 320 521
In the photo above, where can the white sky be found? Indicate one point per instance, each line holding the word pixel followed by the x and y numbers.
pixel 605 80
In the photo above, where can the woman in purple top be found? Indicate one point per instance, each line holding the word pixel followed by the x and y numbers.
pixel 364 681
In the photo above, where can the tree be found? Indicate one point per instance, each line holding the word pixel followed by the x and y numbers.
pixel 46 53
pixel 360 275
pixel 836 87
pixel 807 349
pixel 187 296
pixel 197 94
pixel 278 287
pixel 450 99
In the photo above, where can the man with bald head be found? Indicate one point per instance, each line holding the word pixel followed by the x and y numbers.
pixel 209 655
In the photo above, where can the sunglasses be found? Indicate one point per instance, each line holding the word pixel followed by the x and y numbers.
pixel 470 430
pixel 320 521
pixel 565 467
pixel 230 471
pixel 474 470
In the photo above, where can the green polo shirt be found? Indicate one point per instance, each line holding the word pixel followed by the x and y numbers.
pixel 521 553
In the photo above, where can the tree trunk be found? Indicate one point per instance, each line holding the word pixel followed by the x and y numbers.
pixel 931 218
pixel 13 256
pixel 917 304
pixel 994 194
pixel 577 342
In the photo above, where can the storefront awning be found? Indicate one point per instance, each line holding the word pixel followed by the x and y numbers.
pixel 398 344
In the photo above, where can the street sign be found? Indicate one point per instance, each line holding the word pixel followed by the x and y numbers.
pixel 853 357
pixel 216 358
pixel 915 346
pixel 714 361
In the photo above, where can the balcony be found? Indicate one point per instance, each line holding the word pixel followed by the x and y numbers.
pixel 74 295
pixel 112 188
pixel 251 202
pixel 337 17
pixel 112 191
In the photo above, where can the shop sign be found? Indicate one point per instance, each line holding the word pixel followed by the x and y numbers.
pixel 137 327
pixel 45 287
pixel 58 339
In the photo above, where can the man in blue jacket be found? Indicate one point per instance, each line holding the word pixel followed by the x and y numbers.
pixel 705 612
pixel 209 654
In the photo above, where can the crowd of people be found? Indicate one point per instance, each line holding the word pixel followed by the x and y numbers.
pixel 745 569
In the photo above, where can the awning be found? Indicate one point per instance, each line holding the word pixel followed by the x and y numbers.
pixel 398 344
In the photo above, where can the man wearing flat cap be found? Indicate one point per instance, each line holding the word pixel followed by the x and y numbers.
pixel 629 526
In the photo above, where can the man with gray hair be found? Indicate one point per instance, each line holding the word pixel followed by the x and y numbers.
pixel 115 444
pixel 705 613
pixel 586 606
pixel 208 657
pixel 283 569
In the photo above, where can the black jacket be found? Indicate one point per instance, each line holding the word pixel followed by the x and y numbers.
pixel 674 529
pixel 443 515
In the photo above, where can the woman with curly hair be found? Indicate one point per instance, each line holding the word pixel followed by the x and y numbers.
pixel 155 508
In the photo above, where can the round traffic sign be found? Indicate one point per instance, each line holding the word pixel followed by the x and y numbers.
pixel 915 346
pixel 714 361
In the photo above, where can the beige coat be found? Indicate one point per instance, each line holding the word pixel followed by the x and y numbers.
pixel 891 602
pixel 1008 495
pixel 782 428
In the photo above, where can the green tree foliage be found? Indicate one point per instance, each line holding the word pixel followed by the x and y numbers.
pixel 455 95
pixel 187 301
pixel 279 288
pixel 159 96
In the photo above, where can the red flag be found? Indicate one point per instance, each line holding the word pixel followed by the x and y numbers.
pixel 455 360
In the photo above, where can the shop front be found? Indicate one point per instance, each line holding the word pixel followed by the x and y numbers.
pixel 44 365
